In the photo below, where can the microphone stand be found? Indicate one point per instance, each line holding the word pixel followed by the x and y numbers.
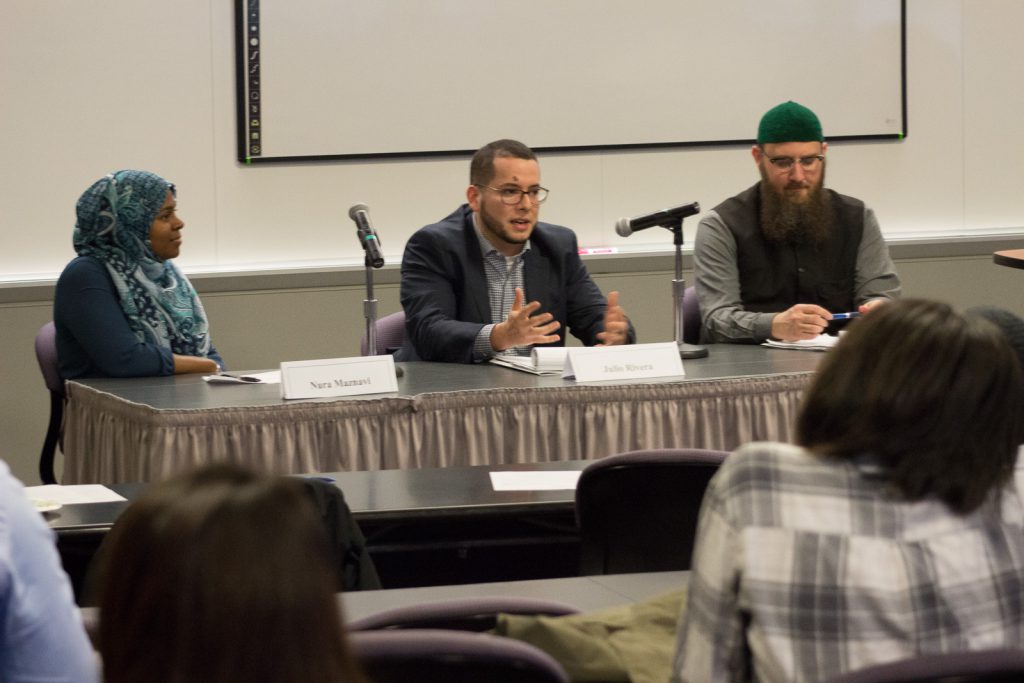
pixel 370 311
pixel 373 258
pixel 686 351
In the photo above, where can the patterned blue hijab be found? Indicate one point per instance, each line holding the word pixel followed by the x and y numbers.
pixel 114 218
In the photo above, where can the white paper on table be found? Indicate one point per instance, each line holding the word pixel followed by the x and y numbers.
pixel 271 377
pixel 553 480
pixel 820 343
pixel 72 495
pixel 544 360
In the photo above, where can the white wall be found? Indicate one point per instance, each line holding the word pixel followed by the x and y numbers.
pixel 142 95
pixel 95 85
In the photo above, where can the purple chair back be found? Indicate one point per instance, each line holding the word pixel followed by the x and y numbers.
pixel 982 666
pixel 46 355
pixel 637 511
pixel 451 656
pixel 467 614
pixel 390 334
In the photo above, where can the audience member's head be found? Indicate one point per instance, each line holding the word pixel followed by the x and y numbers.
pixel 220 575
pixel 1011 325
pixel 933 397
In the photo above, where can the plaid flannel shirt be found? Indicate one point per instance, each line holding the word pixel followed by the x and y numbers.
pixel 806 568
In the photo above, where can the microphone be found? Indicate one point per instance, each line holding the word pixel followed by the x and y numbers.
pixel 664 218
pixel 360 213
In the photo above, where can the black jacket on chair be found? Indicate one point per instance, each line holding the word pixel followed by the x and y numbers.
pixel 355 569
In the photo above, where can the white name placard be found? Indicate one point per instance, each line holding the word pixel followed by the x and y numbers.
pixel 631 361
pixel 338 377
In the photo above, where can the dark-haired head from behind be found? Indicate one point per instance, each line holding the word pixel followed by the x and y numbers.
pixel 220 575
pixel 933 396
pixel 1011 325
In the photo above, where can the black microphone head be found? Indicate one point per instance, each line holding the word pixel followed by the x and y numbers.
pixel 356 209
pixel 622 227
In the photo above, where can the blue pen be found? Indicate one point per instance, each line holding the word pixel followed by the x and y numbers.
pixel 845 316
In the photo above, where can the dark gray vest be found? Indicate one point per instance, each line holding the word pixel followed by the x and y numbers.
pixel 773 277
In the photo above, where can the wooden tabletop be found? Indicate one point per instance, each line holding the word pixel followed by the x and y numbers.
pixel 1012 258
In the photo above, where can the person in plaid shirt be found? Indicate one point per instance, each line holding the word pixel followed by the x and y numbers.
pixel 895 528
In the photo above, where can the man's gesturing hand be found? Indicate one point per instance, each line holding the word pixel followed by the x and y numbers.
pixel 616 324
pixel 522 327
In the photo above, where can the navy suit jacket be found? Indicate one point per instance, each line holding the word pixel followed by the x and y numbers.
pixel 444 288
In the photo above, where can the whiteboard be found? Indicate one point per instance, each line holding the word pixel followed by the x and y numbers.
pixel 366 78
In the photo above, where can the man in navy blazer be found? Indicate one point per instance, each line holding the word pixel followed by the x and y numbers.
pixel 465 279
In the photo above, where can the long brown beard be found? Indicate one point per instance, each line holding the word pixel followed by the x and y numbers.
pixel 784 221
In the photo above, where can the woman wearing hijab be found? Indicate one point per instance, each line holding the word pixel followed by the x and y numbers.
pixel 122 309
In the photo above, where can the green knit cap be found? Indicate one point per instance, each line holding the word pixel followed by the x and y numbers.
pixel 789 122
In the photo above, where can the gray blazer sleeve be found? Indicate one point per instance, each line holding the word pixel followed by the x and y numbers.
pixel 876 276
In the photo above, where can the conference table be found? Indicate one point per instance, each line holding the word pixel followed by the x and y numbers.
pixel 443 415
pixel 586 593
pixel 423 527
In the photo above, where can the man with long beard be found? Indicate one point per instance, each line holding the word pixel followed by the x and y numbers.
pixel 490 279
pixel 778 259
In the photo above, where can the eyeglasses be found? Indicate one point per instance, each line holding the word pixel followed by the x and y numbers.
pixel 513 195
pixel 785 164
